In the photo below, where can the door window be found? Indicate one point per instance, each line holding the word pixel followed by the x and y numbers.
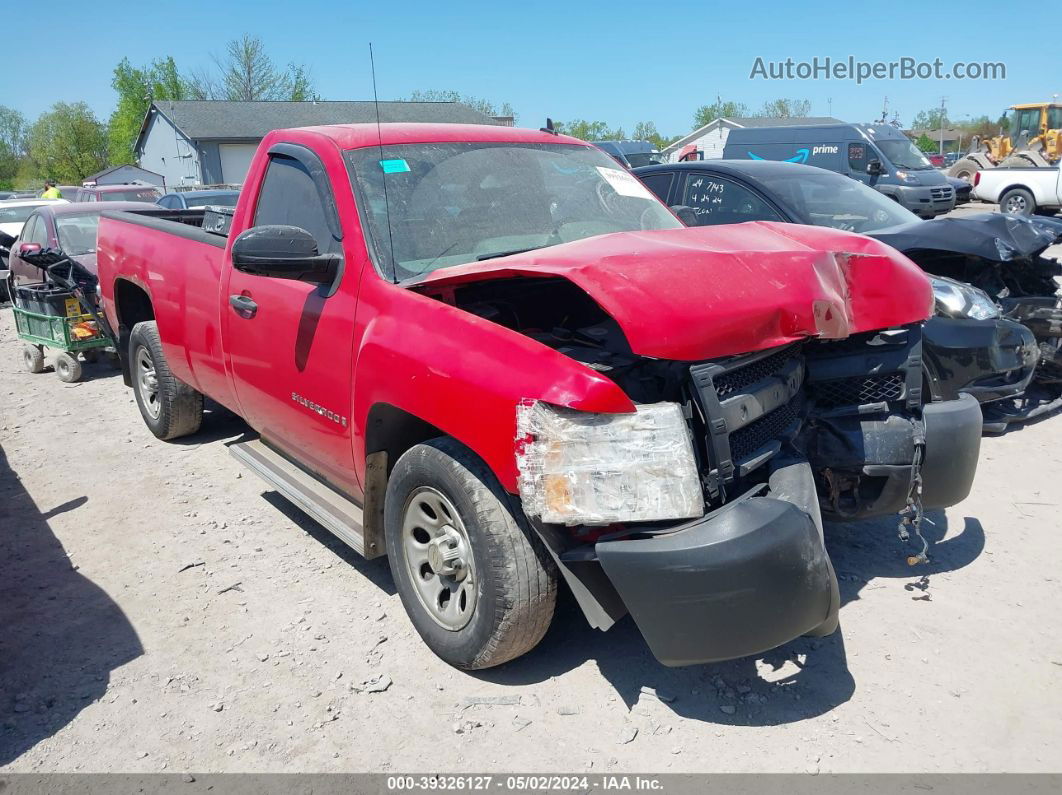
pixel 718 200
pixel 659 184
pixel 290 196
pixel 857 157
pixel 36 232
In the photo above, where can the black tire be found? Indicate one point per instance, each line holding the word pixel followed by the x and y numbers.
pixel 516 579
pixel 1017 201
pixel 33 358
pixel 173 409
pixel 964 169
pixel 67 367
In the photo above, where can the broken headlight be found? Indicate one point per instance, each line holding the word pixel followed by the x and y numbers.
pixel 580 468
pixel 958 300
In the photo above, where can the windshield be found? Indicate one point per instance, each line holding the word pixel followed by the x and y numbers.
pixel 16 215
pixel 453 203
pixel 645 159
pixel 77 233
pixel 903 154
pixel 216 199
pixel 833 200
pixel 131 195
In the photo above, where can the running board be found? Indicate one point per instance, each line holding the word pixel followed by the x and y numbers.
pixel 335 512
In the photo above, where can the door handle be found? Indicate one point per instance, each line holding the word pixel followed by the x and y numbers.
pixel 243 304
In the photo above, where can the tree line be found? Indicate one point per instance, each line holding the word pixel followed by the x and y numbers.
pixel 68 142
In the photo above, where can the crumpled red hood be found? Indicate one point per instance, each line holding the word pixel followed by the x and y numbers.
pixel 698 293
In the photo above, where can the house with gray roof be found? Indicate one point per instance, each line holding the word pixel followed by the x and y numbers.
pixel 210 142
pixel 707 142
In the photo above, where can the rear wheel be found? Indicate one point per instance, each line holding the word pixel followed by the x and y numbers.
pixel 1017 201
pixel 169 406
pixel 477 584
pixel 33 358
pixel 67 367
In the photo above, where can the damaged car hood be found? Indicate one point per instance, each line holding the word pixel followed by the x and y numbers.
pixel 998 237
pixel 699 293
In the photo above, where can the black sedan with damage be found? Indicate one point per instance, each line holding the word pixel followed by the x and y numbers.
pixel 996 334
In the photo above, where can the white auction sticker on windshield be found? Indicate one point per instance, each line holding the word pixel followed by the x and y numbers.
pixel 624 184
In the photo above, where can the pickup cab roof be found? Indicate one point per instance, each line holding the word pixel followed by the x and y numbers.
pixel 357 136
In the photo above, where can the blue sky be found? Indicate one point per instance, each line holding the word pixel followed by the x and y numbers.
pixel 617 62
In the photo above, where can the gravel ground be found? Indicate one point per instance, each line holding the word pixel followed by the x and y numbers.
pixel 163 610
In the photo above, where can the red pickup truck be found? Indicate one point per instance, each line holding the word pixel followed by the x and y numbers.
pixel 494 356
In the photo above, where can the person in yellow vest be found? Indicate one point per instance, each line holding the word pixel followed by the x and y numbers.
pixel 50 191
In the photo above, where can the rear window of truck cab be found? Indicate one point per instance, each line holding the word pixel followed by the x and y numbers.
pixel 431 206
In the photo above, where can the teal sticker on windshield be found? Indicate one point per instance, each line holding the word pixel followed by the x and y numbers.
pixel 394 166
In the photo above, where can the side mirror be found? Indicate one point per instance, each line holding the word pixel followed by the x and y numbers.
pixel 283 252
pixel 875 169
pixel 685 213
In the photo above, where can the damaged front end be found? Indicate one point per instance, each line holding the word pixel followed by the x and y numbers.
pixel 775 441
pixel 700 513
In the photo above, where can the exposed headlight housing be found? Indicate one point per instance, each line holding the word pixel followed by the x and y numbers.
pixel 955 299
pixel 581 468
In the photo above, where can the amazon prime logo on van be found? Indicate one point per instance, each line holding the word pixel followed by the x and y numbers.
pixel 802 155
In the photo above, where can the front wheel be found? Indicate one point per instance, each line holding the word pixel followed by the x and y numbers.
pixel 1017 201
pixel 67 367
pixel 169 406
pixel 33 358
pixel 477 584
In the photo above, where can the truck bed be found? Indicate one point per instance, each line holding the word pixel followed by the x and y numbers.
pixel 169 255
pixel 206 224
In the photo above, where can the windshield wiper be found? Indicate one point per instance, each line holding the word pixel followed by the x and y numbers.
pixel 496 254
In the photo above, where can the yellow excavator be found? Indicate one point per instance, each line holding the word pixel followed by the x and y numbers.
pixel 1034 139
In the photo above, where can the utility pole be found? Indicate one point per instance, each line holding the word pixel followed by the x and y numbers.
pixel 943 117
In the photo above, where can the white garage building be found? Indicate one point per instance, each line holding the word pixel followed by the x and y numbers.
pixel 210 142
pixel 707 142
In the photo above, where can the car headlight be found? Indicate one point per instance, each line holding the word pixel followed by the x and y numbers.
pixel 955 299
pixel 908 177
pixel 578 467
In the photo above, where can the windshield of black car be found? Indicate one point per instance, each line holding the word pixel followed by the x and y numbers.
pixel 77 233
pixel 836 201
pixel 452 203
pixel 903 154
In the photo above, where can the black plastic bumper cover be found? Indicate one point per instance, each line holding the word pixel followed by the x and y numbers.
pixel 953 441
pixel 989 359
pixel 742 580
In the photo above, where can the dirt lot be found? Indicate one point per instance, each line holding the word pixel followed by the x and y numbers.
pixel 162 610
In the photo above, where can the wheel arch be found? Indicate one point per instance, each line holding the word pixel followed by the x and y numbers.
pixel 132 305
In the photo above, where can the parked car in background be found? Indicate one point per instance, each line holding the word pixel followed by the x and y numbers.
pixel 970 346
pixel 937 160
pixel 118 193
pixel 67 225
pixel 963 190
pixel 494 356
pixel 631 154
pixel 187 199
pixel 951 158
pixel 13 216
pixel 1021 191
pixel 877 155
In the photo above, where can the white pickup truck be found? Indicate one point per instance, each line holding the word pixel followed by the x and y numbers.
pixel 1021 191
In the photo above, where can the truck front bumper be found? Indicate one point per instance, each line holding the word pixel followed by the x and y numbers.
pixel 741 580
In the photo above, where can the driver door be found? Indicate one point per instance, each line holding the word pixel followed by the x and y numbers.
pixel 291 353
